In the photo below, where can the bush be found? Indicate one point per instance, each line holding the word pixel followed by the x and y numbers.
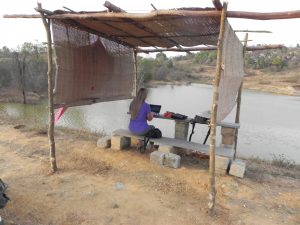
pixel 282 161
pixel 161 73
pixel 146 68
pixel 5 76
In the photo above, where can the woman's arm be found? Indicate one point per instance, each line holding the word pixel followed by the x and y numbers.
pixel 150 116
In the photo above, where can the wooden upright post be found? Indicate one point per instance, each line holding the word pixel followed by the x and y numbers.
pixel 135 72
pixel 213 121
pixel 50 92
pixel 239 98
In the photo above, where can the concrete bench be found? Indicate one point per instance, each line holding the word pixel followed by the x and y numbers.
pixel 180 143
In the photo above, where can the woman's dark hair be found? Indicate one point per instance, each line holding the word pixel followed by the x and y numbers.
pixel 136 103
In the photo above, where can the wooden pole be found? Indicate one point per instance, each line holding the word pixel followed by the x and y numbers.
pixel 211 48
pixel 153 6
pixel 154 14
pixel 50 92
pixel 254 31
pixel 117 9
pixel 213 119
pixel 217 4
pixel 113 8
pixel 239 98
pixel 135 72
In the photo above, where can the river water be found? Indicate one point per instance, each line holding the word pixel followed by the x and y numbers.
pixel 270 124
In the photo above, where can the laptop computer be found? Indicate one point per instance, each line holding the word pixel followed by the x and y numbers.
pixel 155 108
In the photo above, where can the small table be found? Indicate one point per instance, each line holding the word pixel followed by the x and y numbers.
pixel 181 126
pixel 182 129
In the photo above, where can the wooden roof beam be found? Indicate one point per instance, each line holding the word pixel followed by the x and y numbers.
pixel 218 5
pixel 168 36
pixel 128 34
pixel 264 16
pixel 154 14
pixel 68 9
pixel 250 48
pixel 253 31
pixel 153 6
pixel 92 31
pixel 115 8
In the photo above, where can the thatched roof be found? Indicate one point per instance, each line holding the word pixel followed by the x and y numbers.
pixel 184 27
pixel 162 28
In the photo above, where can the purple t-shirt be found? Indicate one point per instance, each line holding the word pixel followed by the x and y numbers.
pixel 139 124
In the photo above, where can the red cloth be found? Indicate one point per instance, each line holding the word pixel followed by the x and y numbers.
pixel 168 114
pixel 59 114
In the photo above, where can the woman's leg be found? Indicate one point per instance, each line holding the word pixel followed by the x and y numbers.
pixel 141 142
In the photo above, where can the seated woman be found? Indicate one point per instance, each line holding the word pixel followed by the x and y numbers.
pixel 140 114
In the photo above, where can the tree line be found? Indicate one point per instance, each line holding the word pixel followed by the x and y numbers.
pixel 161 67
pixel 25 67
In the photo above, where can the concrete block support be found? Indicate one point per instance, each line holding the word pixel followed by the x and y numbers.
pixel 221 164
pixel 104 142
pixel 181 129
pixel 134 142
pixel 157 157
pixel 172 160
pixel 165 149
pixel 120 142
pixel 237 168
pixel 228 135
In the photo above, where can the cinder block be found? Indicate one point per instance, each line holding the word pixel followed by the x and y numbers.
pixel 181 130
pixel 222 163
pixel 228 140
pixel 165 149
pixel 157 158
pixel 178 151
pixel 172 160
pixel 120 142
pixel 237 168
pixel 220 171
pixel 134 142
pixel 228 131
pixel 104 142
pixel 228 135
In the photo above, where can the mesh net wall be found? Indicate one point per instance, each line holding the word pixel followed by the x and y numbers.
pixel 90 68
pixel 232 74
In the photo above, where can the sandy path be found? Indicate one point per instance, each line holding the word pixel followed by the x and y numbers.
pixel 97 186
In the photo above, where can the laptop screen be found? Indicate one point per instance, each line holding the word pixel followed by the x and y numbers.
pixel 155 108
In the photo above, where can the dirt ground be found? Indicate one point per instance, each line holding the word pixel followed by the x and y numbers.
pixel 101 186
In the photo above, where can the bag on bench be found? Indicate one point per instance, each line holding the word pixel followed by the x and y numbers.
pixel 153 133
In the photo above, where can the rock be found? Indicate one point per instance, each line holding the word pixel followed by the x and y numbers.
pixel 119 186
pixel 115 206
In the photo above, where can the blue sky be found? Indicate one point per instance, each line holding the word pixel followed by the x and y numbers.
pixel 16 31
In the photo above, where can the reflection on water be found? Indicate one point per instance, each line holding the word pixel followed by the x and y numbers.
pixel 269 123
pixel 33 113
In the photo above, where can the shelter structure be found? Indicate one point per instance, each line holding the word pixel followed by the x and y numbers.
pixel 96 55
